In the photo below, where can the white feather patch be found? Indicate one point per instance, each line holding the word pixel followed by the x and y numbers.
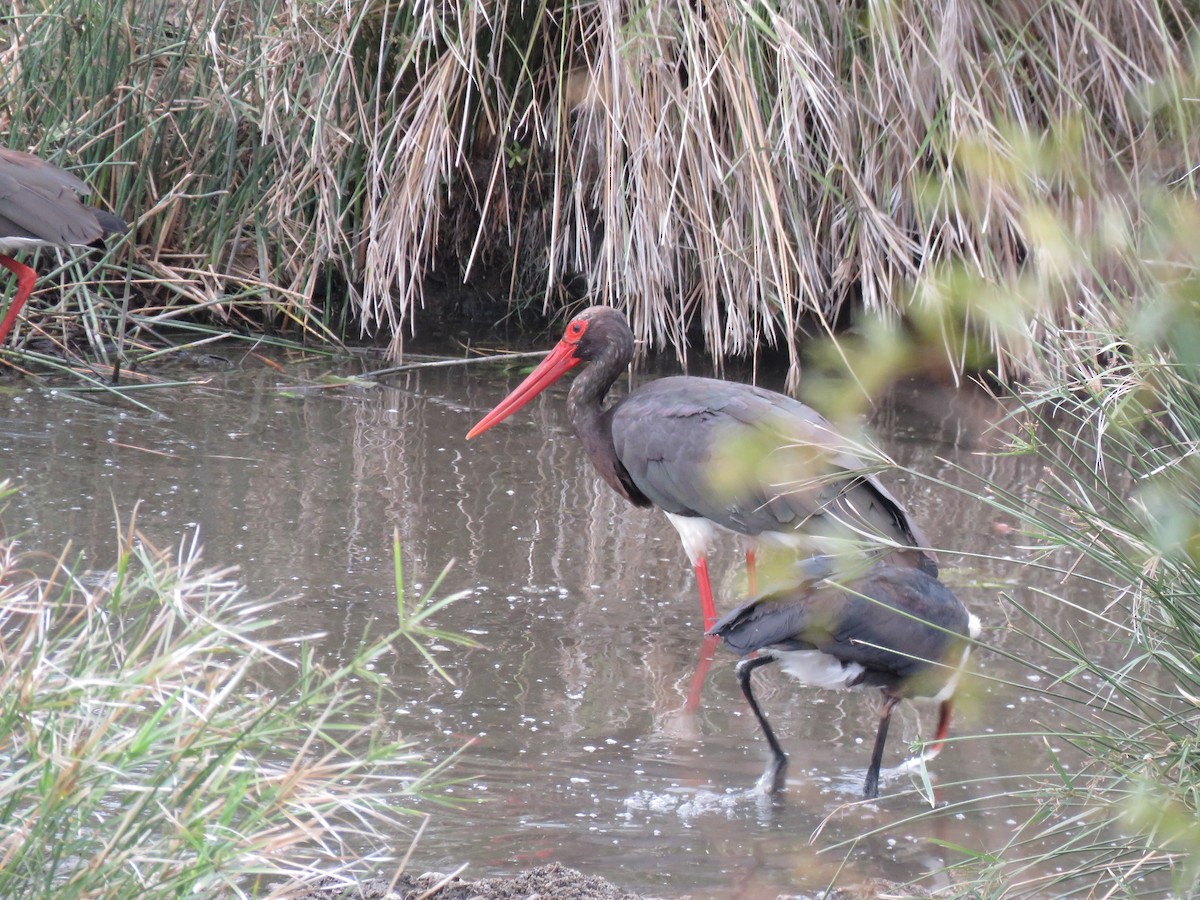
pixel 696 533
pixel 818 669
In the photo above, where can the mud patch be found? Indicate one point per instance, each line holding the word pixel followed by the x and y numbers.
pixel 552 881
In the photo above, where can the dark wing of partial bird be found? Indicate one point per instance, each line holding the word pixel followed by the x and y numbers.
pixel 39 201
pixel 750 460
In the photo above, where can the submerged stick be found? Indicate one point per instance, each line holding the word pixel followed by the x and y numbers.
pixel 465 361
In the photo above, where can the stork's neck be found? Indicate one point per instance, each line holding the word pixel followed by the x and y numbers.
pixel 585 400
pixel 607 354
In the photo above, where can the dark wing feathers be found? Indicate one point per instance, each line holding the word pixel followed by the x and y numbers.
pixel 9 228
pixel 881 621
pixel 762 623
pixel 41 202
pixel 887 619
pixel 39 174
pixel 696 446
pixel 750 460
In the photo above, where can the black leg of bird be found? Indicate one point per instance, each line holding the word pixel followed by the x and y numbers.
pixel 871 788
pixel 774 777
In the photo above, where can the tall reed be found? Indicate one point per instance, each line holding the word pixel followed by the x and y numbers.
pixel 743 170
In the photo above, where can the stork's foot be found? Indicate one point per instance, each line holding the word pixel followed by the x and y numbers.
pixel 775 776
pixel 871 788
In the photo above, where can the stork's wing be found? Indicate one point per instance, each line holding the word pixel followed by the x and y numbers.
pixel 895 620
pixel 901 620
pixel 778 620
pixel 752 461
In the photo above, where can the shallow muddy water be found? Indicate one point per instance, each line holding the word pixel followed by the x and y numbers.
pixel 585 609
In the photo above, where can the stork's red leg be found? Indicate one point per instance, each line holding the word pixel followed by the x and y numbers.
pixel 25 281
pixel 708 609
pixel 704 662
pixel 943 729
pixel 871 788
pixel 751 577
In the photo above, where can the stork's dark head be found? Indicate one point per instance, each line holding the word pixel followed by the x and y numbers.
pixel 599 331
pixel 598 335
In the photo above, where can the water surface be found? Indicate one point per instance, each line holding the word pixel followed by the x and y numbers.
pixel 585 609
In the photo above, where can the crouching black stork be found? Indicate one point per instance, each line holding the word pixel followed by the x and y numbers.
pixel 717 455
pixel 40 207
pixel 895 628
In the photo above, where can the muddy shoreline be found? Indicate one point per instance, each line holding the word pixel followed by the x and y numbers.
pixel 546 882
pixel 553 882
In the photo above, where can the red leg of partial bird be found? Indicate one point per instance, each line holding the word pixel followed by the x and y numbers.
pixel 708 609
pixel 25 280
pixel 871 788
pixel 751 578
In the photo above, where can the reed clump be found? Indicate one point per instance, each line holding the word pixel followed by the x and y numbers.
pixel 1112 414
pixel 1116 516
pixel 157 741
pixel 1117 513
pixel 741 172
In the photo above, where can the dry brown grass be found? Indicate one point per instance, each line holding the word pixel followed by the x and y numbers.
pixel 744 169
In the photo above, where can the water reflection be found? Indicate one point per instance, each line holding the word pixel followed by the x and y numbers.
pixel 584 607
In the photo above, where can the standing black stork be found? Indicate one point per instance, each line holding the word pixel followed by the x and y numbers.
pixel 894 627
pixel 40 207
pixel 716 455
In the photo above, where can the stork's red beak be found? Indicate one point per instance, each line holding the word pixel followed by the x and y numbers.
pixel 561 359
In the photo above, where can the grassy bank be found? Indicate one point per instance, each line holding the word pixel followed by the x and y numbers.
pixel 158 741
pixel 739 171
pixel 1117 514
pixel 1112 414
pixel 1118 508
